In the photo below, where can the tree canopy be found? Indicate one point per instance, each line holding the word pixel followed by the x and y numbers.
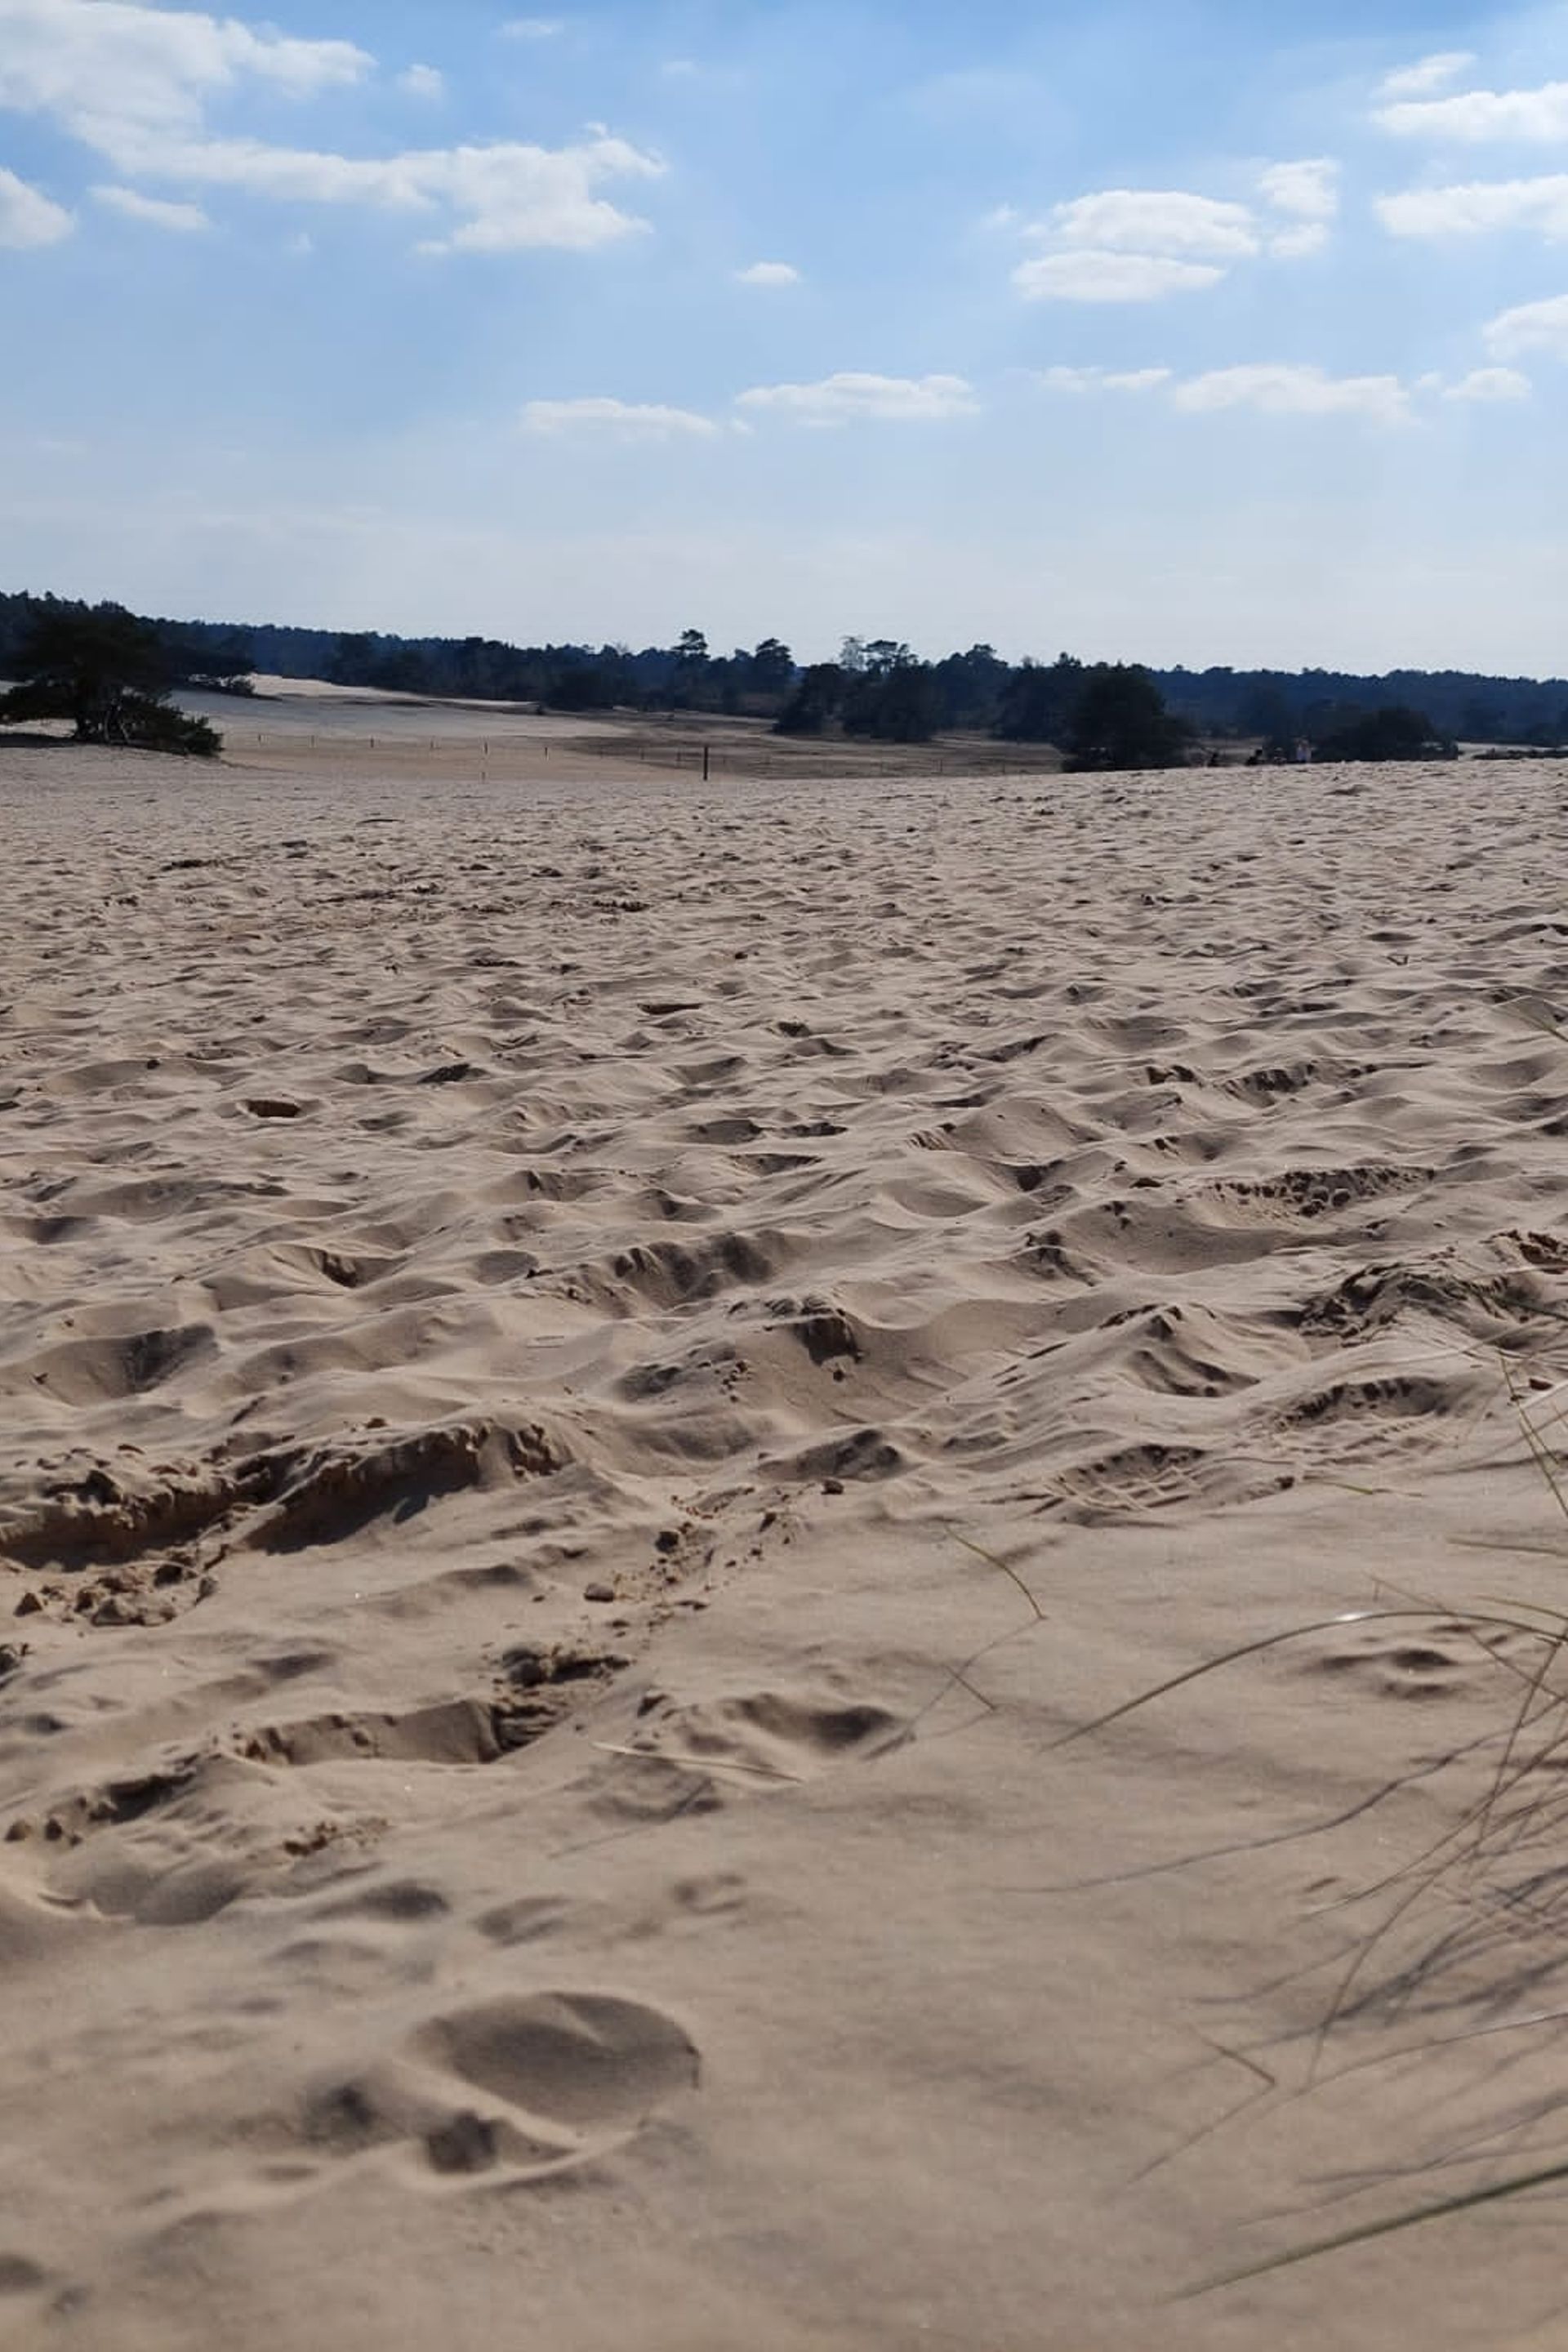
pixel 814 701
pixel 1117 719
pixel 1393 732
pixel 108 674
pixel 887 694
pixel 878 690
pixel 1036 705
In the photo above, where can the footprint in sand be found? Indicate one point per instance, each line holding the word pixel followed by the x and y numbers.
pixel 19 2276
pixel 1447 1659
pixel 507 2090
pixel 742 1744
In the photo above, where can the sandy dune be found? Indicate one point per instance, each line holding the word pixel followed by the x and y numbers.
pixel 527 1819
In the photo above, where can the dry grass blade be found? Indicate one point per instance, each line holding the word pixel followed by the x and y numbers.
pixel 1268 1641
pixel 1541 1452
pixel 958 1676
pixel 695 1763
pixel 1528 1704
pixel 1540 1701
pixel 1367 2231
pixel 994 1561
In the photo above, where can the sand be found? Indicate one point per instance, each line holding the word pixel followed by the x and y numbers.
pixel 596 1374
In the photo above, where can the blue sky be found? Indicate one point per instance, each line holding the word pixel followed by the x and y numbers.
pixel 1180 330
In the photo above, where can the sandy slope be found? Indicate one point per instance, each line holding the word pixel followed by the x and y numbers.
pixel 517 1300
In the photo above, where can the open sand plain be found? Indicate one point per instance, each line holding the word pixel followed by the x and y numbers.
pixel 596 1374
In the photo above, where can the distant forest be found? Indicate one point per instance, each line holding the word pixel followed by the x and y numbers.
pixel 878 686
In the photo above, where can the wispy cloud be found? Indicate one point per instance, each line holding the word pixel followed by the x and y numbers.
pixel 100 68
pixel 850 398
pixel 531 29
pixel 28 218
pixel 620 420
pixel 132 83
pixel 1470 209
pixel 1294 391
pixel 1271 389
pixel 1105 277
pixel 422 81
pixel 1427 74
pixel 1297 244
pixel 1095 379
pixel 1307 191
pixel 184 220
pixel 1536 116
pixel 1140 245
pixel 1490 384
pixel 769 273
pixel 1530 326
pixel 500 199
pixel 1142 221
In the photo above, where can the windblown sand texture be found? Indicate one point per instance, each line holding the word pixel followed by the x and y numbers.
pixel 595 1373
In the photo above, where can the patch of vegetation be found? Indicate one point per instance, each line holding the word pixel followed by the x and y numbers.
pixel 109 674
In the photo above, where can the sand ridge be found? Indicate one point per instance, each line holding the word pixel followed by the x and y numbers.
pixel 518 1300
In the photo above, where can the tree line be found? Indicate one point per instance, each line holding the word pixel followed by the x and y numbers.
pixel 877 687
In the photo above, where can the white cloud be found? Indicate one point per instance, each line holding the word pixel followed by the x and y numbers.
pixel 1429 74
pixel 1093 379
pixel 183 219
pixel 98 67
pixel 1468 211
pixel 510 197
pixel 1296 244
pixel 1090 276
pixel 1490 384
pixel 1132 244
pixel 1292 390
pixel 532 28
pixel 622 420
pixel 850 398
pixel 699 73
pixel 1308 192
pixel 499 199
pixel 769 273
pixel 1145 221
pixel 422 81
pixel 1539 115
pixel 27 216
pixel 1531 327
pixel 1273 390
pixel 132 83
